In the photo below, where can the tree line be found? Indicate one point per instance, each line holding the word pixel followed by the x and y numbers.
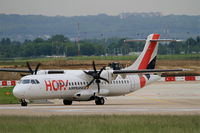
pixel 60 45
pixel 21 27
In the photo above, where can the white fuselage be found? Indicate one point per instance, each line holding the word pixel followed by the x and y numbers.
pixel 71 85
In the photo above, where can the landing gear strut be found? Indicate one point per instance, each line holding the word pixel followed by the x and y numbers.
pixel 23 102
pixel 67 102
pixel 99 101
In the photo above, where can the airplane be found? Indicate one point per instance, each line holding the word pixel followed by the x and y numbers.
pixel 86 85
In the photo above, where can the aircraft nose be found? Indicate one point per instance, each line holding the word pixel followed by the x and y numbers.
pixel 18 92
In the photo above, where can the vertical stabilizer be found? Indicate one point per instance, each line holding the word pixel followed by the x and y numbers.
pixel 147 58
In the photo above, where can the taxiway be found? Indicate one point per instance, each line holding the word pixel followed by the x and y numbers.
pixel 159 98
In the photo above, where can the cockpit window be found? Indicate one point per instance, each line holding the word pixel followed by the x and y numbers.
pixel 33 81
pixel 20 82
pixel 25 81
pixel 37 81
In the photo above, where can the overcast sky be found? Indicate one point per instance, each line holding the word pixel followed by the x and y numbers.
pixel 93 7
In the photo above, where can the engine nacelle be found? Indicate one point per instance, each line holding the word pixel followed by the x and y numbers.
pixel 108 74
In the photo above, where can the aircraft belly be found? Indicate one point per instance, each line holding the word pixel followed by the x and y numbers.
pixel 117 90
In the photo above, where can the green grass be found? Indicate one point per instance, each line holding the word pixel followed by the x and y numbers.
pixel 7 99
pixel 127 57
pixel 22 61
pixel 101 124
pixel 179 57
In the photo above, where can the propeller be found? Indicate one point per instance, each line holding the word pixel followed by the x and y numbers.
pixel 31 70
pixel 96 76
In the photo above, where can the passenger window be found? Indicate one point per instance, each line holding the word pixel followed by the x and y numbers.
pixel 69 83
pixel 33 81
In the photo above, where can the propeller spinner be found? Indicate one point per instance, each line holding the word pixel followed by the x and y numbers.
pixel 96 76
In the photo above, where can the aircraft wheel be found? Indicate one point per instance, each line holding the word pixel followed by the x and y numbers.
pixel 67 102
pixel 24 103
pixel 99 101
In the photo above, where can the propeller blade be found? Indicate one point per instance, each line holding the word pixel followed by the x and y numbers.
pixel 90 83
pixel 104 79
pixel 98 87
pixel 98 81
pixel 94 67
pixel 88 73
pixel 99 73
pixel 36 69
pixel 96 76
pixel 29 67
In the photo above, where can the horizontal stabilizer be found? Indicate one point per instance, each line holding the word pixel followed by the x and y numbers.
pixel 148 71
pixel 156 40
pixel 166 40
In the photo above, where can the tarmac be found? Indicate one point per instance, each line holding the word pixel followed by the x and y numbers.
pixel 173 98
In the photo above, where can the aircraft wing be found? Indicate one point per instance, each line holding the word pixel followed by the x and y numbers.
pixel 148 71
pixel 14 70
pixel 29 70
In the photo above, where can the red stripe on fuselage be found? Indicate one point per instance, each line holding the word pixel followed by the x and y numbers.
pixel 142 81
pixel 149 52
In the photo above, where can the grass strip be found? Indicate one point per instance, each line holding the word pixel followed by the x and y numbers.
pixel 22 61
pixel 6 96
pixel 101 124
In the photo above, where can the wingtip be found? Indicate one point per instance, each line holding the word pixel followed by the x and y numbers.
pixel 187 69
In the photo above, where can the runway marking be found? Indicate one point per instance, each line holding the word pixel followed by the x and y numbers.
pixel 157 100
pixel 130 110
pixel 44 107
pixel 98 109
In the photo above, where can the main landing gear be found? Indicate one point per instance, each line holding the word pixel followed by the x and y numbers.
pixel 67 102
pixel 99 100
pixel 23 102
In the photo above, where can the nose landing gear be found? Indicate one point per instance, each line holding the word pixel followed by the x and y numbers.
pixel 23 102
pixel 67 102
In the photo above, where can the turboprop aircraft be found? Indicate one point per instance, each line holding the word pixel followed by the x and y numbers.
pixel 86 85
